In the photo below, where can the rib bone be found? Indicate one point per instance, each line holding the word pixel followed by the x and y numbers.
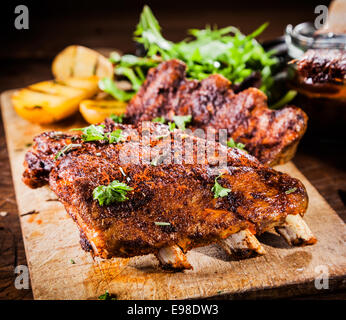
pixel 295 231
pixel 242 244
pixel 173 258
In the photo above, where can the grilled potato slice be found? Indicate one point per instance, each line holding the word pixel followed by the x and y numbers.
pixel 48 101
pixel 55 88
pixel 88 84
pixel 95 111
pixel 79 61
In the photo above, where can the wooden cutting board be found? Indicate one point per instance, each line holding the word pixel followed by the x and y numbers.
pixel 51 240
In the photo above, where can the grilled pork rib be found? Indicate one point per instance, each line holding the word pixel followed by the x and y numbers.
pixel 179 195
pixel 270 135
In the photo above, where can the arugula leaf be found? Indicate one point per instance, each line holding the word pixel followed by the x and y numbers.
pixel 232 144
pixel 181 121
pixel 66 149
pixel 219 191
pixel 114 57
pixel 108 85
pixel 148 32
pixel 225 51
pixel 117 118
pixel 135 80
pixel 290 95
pixel 114 192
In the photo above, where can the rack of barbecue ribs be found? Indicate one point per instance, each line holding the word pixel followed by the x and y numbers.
pixel 172 204
pixel 272 136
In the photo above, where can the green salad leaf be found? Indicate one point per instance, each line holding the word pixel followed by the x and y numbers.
pixel 116 118
pixel 225 51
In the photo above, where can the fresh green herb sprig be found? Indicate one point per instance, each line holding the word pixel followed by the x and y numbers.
pixel 106 296
pixel 108 85
pixel 225 51
pixel 114 136
pixel 114 192
pixel 219 191
pixel 96 133
pixel 92 132
pixel 232 144
pixel 117 118
pixel 289 191
pixel 182 121
pixel 159 120
pixel 171 125
pixel 66 149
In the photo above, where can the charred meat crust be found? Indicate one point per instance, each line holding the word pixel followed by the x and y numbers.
pixel 213 104
pixel 179 194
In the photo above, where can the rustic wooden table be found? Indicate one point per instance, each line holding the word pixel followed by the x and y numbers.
pixel 27 60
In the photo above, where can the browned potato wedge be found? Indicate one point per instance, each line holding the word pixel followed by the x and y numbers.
pixel 47 102
pixel 43 108
pixel 95 111
pixel 88 84
pixel 55 88
pixel 79 61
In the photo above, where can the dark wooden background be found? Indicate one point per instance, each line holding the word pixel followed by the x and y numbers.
pixel 26 56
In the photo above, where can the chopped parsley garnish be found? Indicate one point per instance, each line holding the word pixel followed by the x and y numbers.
pixel 72 261
pixel 116 118
pixel 219 191
pixel 182 121
pixel 66 149
pixel 106 296
pixel 114 192
pixel 171 126
pixel 92 133
pixel 115 136
pixel 96 133
pixel 159 120
pixel 289 191
pixel 232 144
pixel 158 223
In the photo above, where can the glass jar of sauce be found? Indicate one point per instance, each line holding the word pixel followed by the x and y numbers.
pixel 318 74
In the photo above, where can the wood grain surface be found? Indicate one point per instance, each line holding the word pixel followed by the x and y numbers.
pixel 51 240
pixel 27 60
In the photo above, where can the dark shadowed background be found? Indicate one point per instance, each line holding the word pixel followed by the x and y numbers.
pixel 26 56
